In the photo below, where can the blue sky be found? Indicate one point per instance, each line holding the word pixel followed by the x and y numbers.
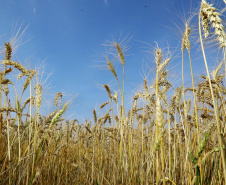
pixel 68 35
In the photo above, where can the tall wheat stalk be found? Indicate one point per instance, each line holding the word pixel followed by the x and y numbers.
pixel 205 6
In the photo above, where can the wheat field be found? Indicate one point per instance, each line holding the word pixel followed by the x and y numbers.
pixel 172 134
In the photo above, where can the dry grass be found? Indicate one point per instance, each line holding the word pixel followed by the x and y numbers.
pixel 170 135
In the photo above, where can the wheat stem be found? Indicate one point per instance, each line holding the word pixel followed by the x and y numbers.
pixel 223 157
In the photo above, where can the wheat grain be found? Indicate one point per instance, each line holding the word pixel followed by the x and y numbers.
pixel 16 65
pixel 209 14
pixel 104 104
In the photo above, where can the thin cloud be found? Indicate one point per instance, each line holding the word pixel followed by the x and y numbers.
pixel 34 10
pixel 106 2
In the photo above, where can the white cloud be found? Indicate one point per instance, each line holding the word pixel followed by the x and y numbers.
pixel 106 2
